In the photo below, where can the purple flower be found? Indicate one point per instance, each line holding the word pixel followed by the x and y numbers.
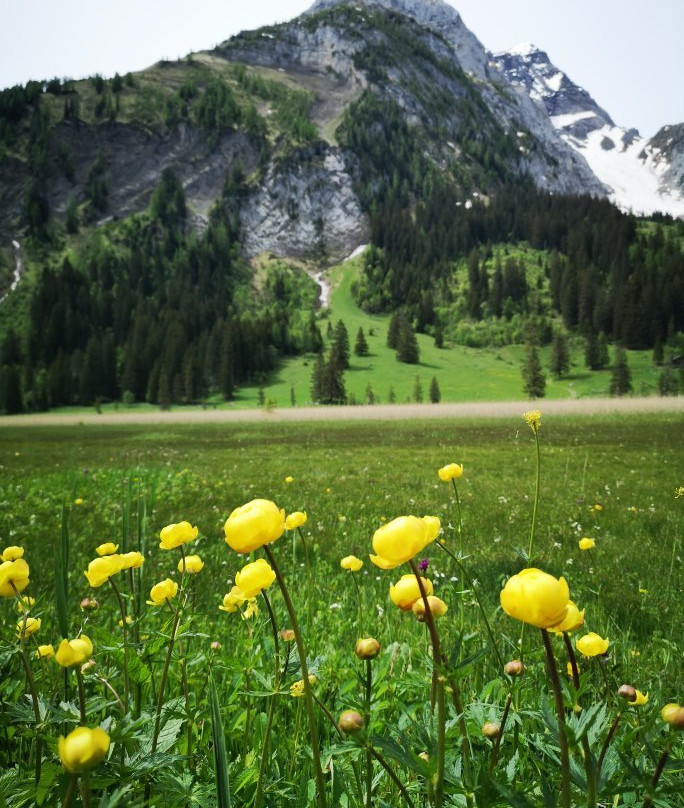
pixel 423 565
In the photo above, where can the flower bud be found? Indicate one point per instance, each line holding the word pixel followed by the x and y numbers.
pixel 367 648
pixel 627 692
pixel 491 730
pixel 424 756
pixel 286 634
pixel 673 714
pixel 87 666
pixel 514 668
pixel 350 721
pixel 90 604
pixel 216 646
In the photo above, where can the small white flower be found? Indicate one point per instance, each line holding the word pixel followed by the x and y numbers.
pixel 335 605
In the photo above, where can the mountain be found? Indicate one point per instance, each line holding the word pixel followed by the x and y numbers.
pixel 642 175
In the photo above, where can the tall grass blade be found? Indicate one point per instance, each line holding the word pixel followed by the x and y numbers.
pixel 62 574
pixel 220 756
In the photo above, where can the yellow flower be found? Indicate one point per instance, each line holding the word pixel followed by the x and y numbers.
pixel 568 668
pixel 673 714
pixel 574 618
pixel 533 420
pixel 192 563
pixel 161 592
pixel 406 591
pixel 108 548
pixel 254 577
pixel 295 520
pixel 297 688
pixel 679 491
pixel 451 472
pixel 129 621
pixel 174 535
pixel 592 645
pixel 78 501
pixel 401 539
pixel 289 479
pixel 74 652
pixel 252 609
pixel 598 507
pixel 132 560
pixel 45 651
pixel 14 575
pixel 25 631
pixel 587 543
pixel 640 699
pixel 438 607
pixel 232 600
pixel 367 648
pixel 24 603
pixel 535 597
pixel 351 563
pixel 12 553
pixel 100 570
pixel 252 525
pixel 83 748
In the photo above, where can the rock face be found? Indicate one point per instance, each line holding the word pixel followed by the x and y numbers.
pixel 308 208
pixel 643 176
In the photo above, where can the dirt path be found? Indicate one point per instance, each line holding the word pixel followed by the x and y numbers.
pixel 378 412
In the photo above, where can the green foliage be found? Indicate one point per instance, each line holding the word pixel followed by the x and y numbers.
pixel 621 377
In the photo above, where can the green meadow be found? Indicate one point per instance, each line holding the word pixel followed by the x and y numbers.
pixel 67 490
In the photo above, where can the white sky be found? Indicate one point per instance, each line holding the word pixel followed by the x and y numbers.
pixel 627 53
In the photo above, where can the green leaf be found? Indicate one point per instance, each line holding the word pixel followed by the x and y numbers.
pixel 220 756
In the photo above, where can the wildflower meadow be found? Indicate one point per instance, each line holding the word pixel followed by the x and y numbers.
pixel 478 613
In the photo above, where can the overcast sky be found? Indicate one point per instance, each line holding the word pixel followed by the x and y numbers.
pixel 628 54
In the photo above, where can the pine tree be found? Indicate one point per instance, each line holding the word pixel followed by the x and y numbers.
pixel 560 358
pixel 534 381
pixel 435 394
pixel 317 380
pixel 418 391
pixel 361 346
pixel 164 393
pixel 668 383
pixel 293 398
pixel 391 396
pixel 11 398
pixel 370 395
pixel 340 345
pixel 621 377
pixel 407 345
pixel 395 325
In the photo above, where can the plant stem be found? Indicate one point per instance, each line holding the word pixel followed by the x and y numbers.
pixel 560 714
pixel 656 775
pixel 607 742
pixel 437 664
pixel 497 742
pixel 536 500
pixel 385 765
pixel 460 521
pixel 590 772
pixel 122 609
pixel 308 697
pixel 359 603
pixel 309 600
pixel 258 799
pixel 366 721
pixel 70 791
pixel 573 660
pixel 31 683
pixel 81 698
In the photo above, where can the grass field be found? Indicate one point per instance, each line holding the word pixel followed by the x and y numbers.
pixel 125 483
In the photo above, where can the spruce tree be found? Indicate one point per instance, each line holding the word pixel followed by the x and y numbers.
pixel 435 394
pixel 668 383
pixel 621 377
pixel 394 328
pixel 407 345
pixel 534 381
pixel 317 380
pixel 361 346
pixel 340 345
pixel 418 391
pixel 560 357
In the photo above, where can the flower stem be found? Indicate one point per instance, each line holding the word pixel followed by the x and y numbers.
pixel 31 683
pixel 560 714
pixel 308 697
pixel 259 798
pixel 497 744
pixel 81 698
pixel 460 521
pixel 438 680
pixel 590 772
pixel 359 602
pixel 70 791
pixel 656 776
pixel 385 765
pixel 530 549
pixel 366 721
pixel 122 609
pixel 607 742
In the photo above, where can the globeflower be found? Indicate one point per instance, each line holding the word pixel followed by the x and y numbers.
pixel 438 608
pixel 24 603
pixel 351 563
pixel 254 577
pixel 297 688
pixel 82 749
pixel 232 600
pixel 163 591
pixel 574 618
pixel 587 543
pixel 108 548
pixel 74 652
pixel 174 535
pixel 367 648
pixel 27 626
pixel 406 591
pixel 132 560
pixel 673 714
pixel 295 520
pixel 592 645
pixel 252 525
pixel 450 472
pixel 14 577
pixel 192 564
pixel 403 538
pixel 640 699
pixel 45 651
pixel 12 553
pixel 535 597
pixel 100 570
